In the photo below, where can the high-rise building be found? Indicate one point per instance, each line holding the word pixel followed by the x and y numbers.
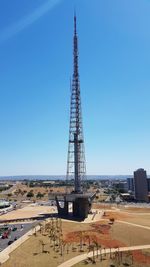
pixel 130 184
pixel 140 185
pixel 148 184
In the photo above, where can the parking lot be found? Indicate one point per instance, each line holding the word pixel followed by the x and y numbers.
pixel 11 232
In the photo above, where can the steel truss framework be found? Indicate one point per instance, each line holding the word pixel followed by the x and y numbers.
pixel 76 167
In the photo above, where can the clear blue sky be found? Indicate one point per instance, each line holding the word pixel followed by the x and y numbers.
pixel 35 69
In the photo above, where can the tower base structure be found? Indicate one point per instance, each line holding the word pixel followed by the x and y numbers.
pixel 81 204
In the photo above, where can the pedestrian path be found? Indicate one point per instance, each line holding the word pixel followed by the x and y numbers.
pixel 82 257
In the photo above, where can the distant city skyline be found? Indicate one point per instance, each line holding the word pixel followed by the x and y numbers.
pixel 36 65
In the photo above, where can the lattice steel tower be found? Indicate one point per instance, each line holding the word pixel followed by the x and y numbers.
pixel 76 158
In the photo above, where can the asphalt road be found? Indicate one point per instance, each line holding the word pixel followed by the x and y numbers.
pixel 15 234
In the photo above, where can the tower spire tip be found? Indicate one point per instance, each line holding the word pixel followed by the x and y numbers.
pixel 75 22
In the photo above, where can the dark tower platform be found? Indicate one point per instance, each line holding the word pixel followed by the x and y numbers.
pixel 76 169
pixel 81 204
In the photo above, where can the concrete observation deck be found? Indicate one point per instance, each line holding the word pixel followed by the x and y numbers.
pixel 81 204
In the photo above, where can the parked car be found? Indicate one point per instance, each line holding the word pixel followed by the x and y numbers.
pixel 10 242
pixel 5 235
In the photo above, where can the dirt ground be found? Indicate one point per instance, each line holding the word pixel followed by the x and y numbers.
pixel 142 219
pixel 135 209
pixel 136 218
pixel 78 236
pixel 117 215
pixel 20 190
pixel 130 235
pixel 28 211
pixel 139 216
pixel 135 259
pixel 102 206
pixel 124 208
pixel 30 252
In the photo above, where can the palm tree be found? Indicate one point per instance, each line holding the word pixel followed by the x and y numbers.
pixel 89 242
pixel 61 248
pixel 81 240
pixel 104 251
pixel 42 243
pixel 67 248
pixel 40 227
pixel 110 252
pixel 100 254
pixel 60 238
pixel 91 248
pixel 97 246
pixel 93 253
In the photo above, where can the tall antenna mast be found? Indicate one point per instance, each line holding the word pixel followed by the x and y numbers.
pixel 81 201
pixel 76 157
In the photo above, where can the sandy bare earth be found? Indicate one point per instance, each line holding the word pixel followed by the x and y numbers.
pixel 27 212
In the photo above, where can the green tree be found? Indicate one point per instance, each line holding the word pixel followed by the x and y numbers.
pixel 39 195
pixel 30 194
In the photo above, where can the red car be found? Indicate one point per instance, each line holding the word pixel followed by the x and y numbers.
pixel 5 235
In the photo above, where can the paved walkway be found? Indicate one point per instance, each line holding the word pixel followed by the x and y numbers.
pixel 94 217
pixel 82 257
